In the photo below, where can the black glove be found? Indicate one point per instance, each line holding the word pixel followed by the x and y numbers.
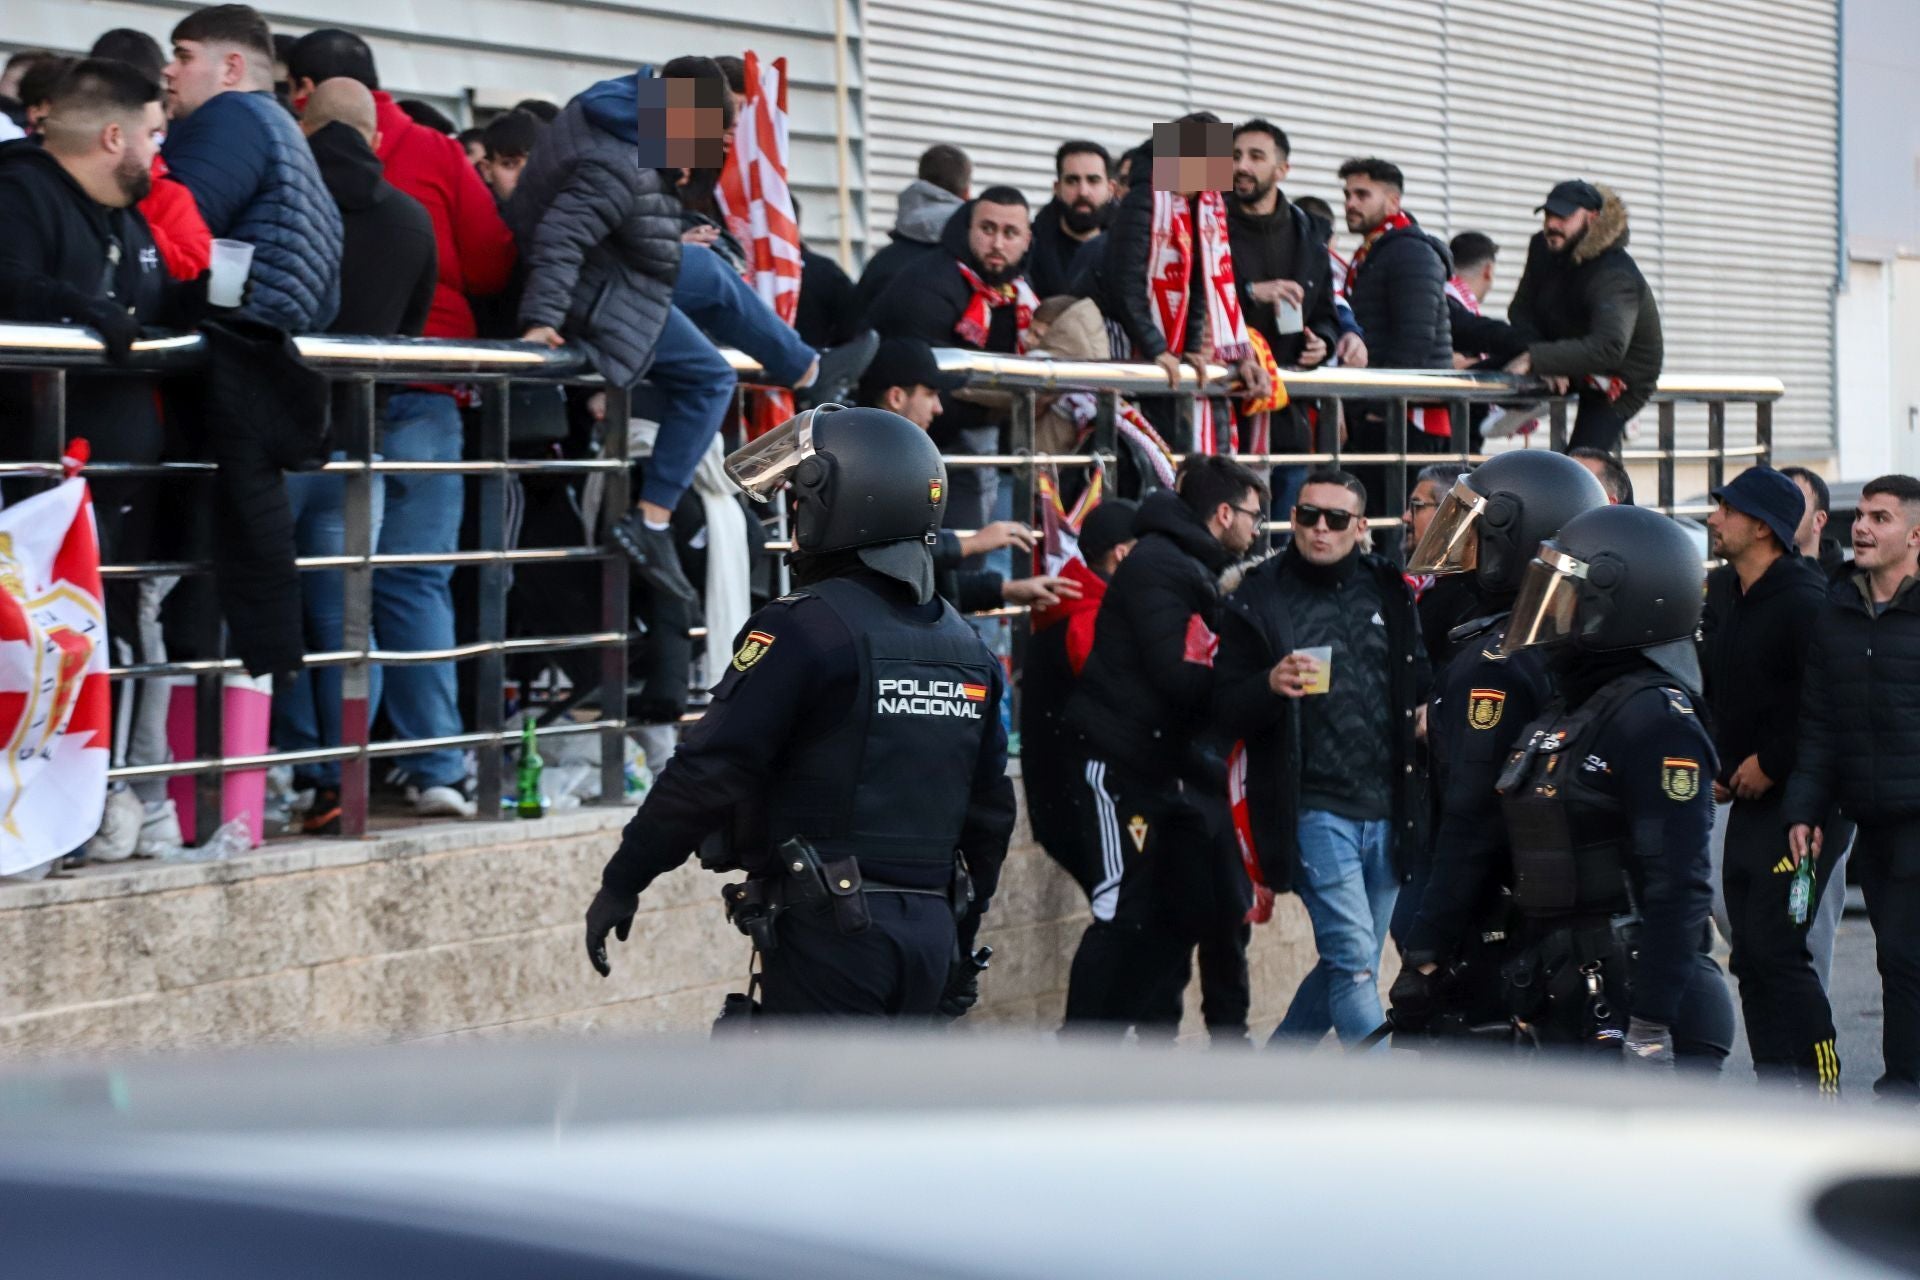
pixel 963 984
pixel 608 912
pixel 1414 996
pixel 106 317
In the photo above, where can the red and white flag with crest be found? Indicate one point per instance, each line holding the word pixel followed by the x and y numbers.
pixel 753 190
pixel 54 708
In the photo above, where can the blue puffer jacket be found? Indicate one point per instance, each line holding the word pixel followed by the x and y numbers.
pixel 255 180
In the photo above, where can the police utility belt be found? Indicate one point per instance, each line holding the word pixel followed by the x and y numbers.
pixel 799 878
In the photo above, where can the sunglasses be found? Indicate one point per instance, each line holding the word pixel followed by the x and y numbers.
pixel 1307 517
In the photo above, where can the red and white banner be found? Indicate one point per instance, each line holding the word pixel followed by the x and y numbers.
pixel 55 722
pixel 753 190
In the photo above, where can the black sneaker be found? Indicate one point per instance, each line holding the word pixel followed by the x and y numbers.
pixel 840 369
pixel 323 819
pixel 655 558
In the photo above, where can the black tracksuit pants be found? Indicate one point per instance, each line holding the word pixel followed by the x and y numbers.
pixel 1887 864
pixel 1789 1021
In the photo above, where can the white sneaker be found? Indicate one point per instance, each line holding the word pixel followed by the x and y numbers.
pixel 119 828
pixel 440 802
pixel 159 830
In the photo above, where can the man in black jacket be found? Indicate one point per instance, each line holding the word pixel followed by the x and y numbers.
pixel 1331 776
pixel 943 183
pixel 971 292
pixel 1284 277
pixel 388 267
pixel 1082 201
pixel 1585 313
pixel 1141 701
pixel 1860 747
pixel 1760 612
pixel 1397 285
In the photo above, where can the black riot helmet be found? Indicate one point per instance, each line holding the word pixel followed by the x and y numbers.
pixel 1500 511
pixel 862 480
pixel 1613 580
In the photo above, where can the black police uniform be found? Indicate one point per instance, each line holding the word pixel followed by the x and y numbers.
pixel 867 725
pixel 1482 705
pixel 1609 811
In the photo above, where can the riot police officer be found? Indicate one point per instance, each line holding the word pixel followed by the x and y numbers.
pixel 852 760
pixel 1487 527
pixel 1608 797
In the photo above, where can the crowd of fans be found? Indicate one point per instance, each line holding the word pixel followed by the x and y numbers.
pixel 373 216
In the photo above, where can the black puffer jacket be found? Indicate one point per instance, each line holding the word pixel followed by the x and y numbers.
pixel 1256 631
pixel 1590 311
pixel 1055 258
pixel 1860 711
pixel 1399 299
pixel 1119 283
pixel 599 240
pixel 1143 695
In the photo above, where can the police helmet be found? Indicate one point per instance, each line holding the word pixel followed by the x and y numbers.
pixel 862 480
pixel 1615 579
pixel 1496 514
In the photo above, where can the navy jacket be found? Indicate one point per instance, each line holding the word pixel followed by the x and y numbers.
pixel 254 179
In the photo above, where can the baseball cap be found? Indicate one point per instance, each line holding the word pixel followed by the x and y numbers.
pixel 1106 527
pixel 1576 193
pixel 905 362
pixel 1769 497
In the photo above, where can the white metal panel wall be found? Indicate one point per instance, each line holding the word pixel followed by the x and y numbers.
pixel 1716 121
pixel 537 48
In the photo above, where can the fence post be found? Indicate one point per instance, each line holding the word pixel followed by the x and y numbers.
pixel 1667 411
pixel 49 429
pixel 490 670
pixel 1763 430
pixel 1716 444
pixel 1557 424
pixel 355 437
pixel 1399 429
pixel 615 615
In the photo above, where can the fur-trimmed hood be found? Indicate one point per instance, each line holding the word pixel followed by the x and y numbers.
pixel 1608 229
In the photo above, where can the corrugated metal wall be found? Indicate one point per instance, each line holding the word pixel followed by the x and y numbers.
pixel 498 51
pixel 1716 120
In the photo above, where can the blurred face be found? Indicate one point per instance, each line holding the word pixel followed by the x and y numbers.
pixel 999 235
pixel 1731 534
pixel 1563 233
pixel 1242 522
pixel 1369 203
pixel 1083 189
pixel 1886 533
pixel 1191 156
pixel 1324 504
pixel 1421 504
pixel 200 71
pixel 1813 524
pixel 1258 167
pixel 918 405
pixel 502 173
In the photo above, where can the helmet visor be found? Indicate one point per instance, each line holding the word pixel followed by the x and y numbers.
pixel 761 466
pixel 1549 595
pixel 1451 543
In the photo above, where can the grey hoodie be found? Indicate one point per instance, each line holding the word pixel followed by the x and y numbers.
pixel 923 211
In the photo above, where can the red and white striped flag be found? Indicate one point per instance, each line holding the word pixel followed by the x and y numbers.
pixel 753 189
pixel 55 722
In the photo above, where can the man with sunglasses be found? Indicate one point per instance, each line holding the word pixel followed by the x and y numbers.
pixel 1332 776
pixel 1141 707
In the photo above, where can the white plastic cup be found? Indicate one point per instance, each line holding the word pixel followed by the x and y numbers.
pixel 232 260
pixel 1287 318
pixel 1321 655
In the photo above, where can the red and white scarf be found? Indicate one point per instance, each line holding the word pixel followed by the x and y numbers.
pixel 1170 262
pixel 1458 291
pixel 1084 406
pixel 1432 419
pixel 986 299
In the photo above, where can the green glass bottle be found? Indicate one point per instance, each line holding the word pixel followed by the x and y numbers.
pixel 530 767
pixel 1800 894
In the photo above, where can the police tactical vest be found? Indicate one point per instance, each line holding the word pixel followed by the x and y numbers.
pixel 1570 842
pixel 893 781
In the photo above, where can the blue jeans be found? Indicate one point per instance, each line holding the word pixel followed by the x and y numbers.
pixel 719 300
pixel 413 605
pixel 688 391
pixel 306 715
pixel 1348 886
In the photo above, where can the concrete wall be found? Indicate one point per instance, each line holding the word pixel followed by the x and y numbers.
pixel 458 929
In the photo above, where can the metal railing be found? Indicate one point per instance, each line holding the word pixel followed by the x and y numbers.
pixel 46 355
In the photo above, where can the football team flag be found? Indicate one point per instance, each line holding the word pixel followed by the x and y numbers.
pixel 753 190
pixel 55 719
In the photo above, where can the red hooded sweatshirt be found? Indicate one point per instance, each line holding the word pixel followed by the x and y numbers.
pixel 476 249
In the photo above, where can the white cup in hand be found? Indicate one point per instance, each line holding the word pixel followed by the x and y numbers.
pixel 232 260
